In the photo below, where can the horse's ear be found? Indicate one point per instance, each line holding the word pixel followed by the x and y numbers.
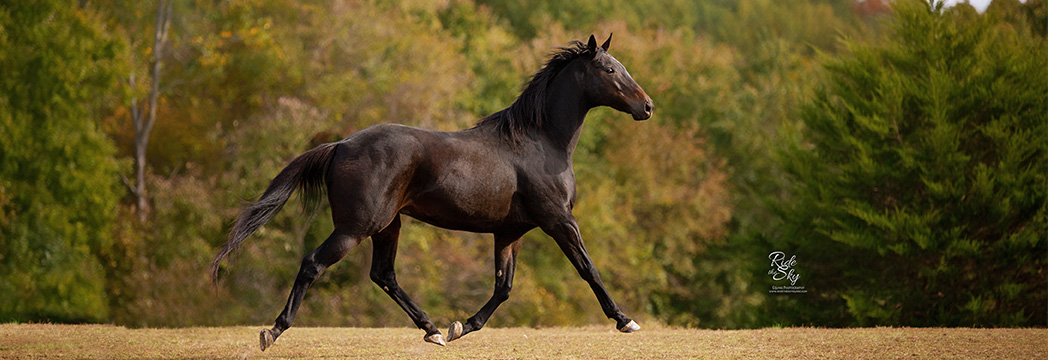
pixel 607 43
pixel 592 45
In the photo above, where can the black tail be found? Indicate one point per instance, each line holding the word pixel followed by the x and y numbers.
pixel 306 172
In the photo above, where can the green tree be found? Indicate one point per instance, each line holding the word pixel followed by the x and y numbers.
pixel 58 176
pixel 919 182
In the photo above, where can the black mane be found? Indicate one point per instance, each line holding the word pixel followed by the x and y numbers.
pixel 527 111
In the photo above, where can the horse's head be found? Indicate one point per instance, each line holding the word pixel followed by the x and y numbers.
pixel 607 83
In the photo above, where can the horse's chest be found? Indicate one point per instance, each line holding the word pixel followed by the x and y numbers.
pixel 551 194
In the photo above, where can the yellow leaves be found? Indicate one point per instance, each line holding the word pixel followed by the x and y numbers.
pixel 226 34
pixel 677 194
pixel 368 72
pixel 213 59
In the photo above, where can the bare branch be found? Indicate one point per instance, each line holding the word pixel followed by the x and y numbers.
pixel 128 184
pixel 136 115
pixel 163 23
pixel 144 127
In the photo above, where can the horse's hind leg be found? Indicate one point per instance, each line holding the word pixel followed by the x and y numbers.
pixel 385 277
pixel 506 246
pixel 337 245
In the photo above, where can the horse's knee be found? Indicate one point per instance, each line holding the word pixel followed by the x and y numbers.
pixel 310 269
pixel 502 294
pixel 384 279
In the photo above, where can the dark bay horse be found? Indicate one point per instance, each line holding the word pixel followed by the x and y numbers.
pixel 507 175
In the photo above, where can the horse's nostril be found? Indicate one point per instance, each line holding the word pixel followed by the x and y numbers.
pixel 648 107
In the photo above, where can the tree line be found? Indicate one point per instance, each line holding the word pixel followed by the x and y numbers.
pixel 896 151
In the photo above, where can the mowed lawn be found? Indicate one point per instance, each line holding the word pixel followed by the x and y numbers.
pixel 31 341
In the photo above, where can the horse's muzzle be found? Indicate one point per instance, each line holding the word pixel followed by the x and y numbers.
pixel 643 110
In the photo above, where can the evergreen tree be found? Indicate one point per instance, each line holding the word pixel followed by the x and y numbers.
pixel 920 175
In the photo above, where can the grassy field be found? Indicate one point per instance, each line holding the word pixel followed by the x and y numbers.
pixel 112 342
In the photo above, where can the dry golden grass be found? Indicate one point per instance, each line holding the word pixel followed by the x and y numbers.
pixel 112 342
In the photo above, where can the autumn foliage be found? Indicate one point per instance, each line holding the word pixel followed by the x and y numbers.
pixel 898 150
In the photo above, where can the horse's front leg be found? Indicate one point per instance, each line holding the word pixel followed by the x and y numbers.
pixel 566 234
pixel 506 246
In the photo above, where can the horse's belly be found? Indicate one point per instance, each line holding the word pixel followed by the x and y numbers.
pixel 458 219
pixel 476 204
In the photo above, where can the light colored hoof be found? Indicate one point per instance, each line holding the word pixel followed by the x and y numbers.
pixel 455 331
pixel 436 339
pixel 631 327
pixel 265 339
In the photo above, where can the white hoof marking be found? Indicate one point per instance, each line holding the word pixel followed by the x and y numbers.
pixel 436 339
pixel 631 327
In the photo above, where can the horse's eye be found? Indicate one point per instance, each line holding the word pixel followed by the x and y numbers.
pixel 610 70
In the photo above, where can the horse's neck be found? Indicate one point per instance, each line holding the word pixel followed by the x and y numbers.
pixel 565 111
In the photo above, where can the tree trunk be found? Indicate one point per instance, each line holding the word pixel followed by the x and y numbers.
pixel 143 127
